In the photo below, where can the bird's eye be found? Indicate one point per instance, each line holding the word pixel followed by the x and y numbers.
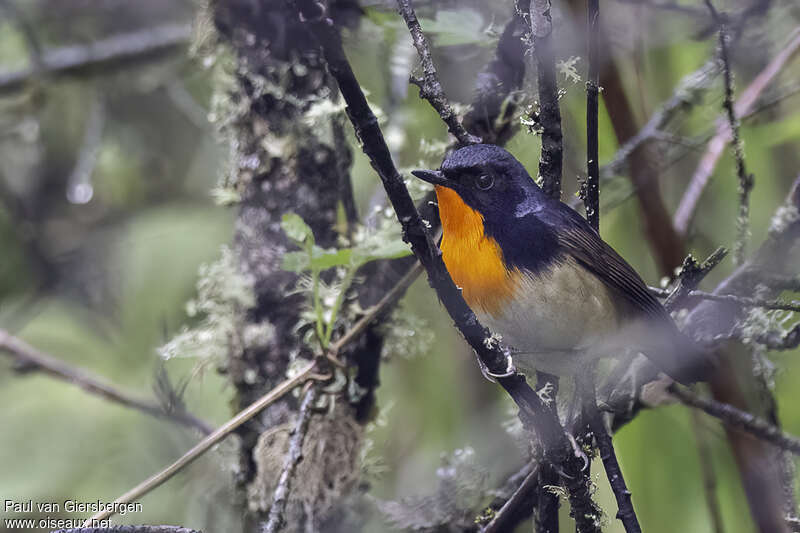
pixel 484 182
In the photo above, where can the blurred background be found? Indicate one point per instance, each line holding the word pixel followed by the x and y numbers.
pixel 107 214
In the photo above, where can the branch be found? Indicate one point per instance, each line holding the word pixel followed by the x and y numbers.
pixel 506 518
pixel 549 113
pixel 737 418
pixel 545 501
pixel 29 358
pixel 292 459
pixel 430 88
pixel 691 275
pixel 666 246
pixel 745 180
pixel 740 301
pixel 744 301
pixel 744 106
pixel 204 445
pixel 625 513
pixel 101 56
pixel 685 96
pixel 591 191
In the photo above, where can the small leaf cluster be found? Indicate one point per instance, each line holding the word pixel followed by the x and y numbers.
pixel 311 260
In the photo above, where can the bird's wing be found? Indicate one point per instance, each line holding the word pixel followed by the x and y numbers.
pixel 660 339
pixel 579 240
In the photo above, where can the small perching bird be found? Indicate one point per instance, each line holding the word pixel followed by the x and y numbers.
pixel 535 272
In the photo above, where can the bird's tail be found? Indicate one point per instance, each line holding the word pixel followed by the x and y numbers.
pixel 677 355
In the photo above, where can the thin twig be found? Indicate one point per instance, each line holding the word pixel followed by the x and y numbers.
pixel 741 301
pixel 744 107
pixel 101 56
pixel 306 373
pixel 292 459
pixel 591 190
pixel 378 310
pixel 745 179
pixel 29 358
pixel 685 96
pixel 625 513
pixel 430 88
pixel 737 418
pixel 744 301
pixel 504 518
pixel 691 275
pixel 550 164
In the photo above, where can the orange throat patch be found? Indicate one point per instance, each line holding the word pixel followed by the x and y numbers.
pixel 475 261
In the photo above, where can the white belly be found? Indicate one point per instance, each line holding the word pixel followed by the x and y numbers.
pixel 559 319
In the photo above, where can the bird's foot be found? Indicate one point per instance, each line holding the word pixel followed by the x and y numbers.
pixel 494 376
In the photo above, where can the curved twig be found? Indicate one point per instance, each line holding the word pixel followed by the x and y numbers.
pixel 29 358
pixel 430 88
pixel 204 445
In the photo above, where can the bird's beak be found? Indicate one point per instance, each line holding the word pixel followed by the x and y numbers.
pixel 432 176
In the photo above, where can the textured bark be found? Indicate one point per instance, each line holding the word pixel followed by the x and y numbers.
pixel 280 163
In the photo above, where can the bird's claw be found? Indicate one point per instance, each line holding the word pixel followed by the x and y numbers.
pixel 494 376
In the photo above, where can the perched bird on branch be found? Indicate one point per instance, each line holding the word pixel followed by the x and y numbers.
pixel 534 271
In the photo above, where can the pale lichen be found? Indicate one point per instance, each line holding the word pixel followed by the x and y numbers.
pixel 224 294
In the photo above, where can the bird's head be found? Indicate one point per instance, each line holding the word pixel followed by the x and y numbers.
pixel 489 180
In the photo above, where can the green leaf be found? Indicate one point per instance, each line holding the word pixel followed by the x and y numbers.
pixel 454 27
pixel 381 250
pixel 296 262
pixel 297 230
pixel 322 259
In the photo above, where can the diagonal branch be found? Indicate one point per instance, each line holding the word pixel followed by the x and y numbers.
pixel 744 106
pixel 430 88
pixel 154 481
pixel 739 419
pixel 507 516
pixel 29 358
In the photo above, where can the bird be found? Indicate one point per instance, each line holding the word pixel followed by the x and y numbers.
pixel 536 273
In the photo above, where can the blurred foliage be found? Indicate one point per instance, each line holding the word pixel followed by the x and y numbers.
pixel 104 283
